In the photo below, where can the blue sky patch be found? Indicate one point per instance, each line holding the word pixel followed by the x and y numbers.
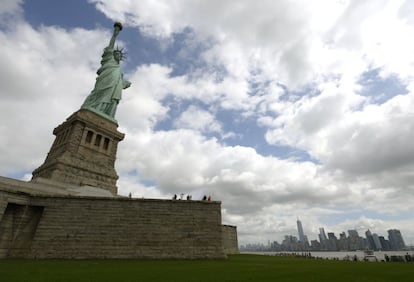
pixel 380 89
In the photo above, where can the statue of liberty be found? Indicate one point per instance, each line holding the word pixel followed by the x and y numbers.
pixel 106 94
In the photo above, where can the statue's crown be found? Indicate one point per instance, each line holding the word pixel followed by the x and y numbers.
pixel 121 51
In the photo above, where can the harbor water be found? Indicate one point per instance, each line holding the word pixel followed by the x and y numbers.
pixel 380 255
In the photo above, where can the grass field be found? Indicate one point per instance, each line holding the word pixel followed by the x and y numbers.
pixel 236 268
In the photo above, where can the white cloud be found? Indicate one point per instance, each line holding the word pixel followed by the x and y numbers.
pixel 10 10
pixel 232 174
pixel 293 41
pixel 197 119
pixel 241 46
pixel 343 133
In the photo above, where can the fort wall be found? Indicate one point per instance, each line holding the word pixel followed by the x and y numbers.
pixel 230 243
pixel 35 226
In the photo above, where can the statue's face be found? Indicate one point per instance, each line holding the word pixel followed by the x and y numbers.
pixel 117 56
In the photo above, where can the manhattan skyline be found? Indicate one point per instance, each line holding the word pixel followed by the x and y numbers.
pixel 349 240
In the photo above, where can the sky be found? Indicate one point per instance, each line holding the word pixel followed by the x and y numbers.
pixel 281 110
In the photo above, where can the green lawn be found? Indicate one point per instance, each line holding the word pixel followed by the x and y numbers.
pixel 236 268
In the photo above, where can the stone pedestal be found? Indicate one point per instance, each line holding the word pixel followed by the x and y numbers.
pixel 84 152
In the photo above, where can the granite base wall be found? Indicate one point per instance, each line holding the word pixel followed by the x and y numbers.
pixel 86 227
pixel 230 242
pixel 3 205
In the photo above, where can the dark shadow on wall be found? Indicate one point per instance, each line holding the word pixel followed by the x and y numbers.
pixel 17 229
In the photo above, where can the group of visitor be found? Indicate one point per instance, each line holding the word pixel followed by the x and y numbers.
pixel 190 197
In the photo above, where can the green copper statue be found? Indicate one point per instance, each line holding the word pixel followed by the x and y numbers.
pixel 106 94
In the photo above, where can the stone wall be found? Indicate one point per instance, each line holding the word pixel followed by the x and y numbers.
pixel 87 227
pixel 3 204
pixel 230 243
pixel 17 229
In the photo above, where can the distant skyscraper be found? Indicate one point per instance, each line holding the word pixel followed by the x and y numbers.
pixel 343 242
pixel 332 243
pixel 373 241
pixel 370 240
pixel 353 233
pixel 302 236
pixel 322 235
pixel 385 244
pixel 323 239
pixel 396 240
pixel 355 242
pixel 378 245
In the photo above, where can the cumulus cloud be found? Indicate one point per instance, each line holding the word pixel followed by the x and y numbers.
pixel 197 119
pixel 345 133
pixel 232 174
pixel 240 45
pixel 10 11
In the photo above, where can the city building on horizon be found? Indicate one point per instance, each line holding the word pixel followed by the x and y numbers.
pixel 322 234
pixel 396 239
pixel 329 242
pixel 302 237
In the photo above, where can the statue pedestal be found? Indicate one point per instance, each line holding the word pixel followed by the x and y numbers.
pixel 84 152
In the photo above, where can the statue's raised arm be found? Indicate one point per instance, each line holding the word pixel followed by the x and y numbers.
pixel 106 94
pixel 117 29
